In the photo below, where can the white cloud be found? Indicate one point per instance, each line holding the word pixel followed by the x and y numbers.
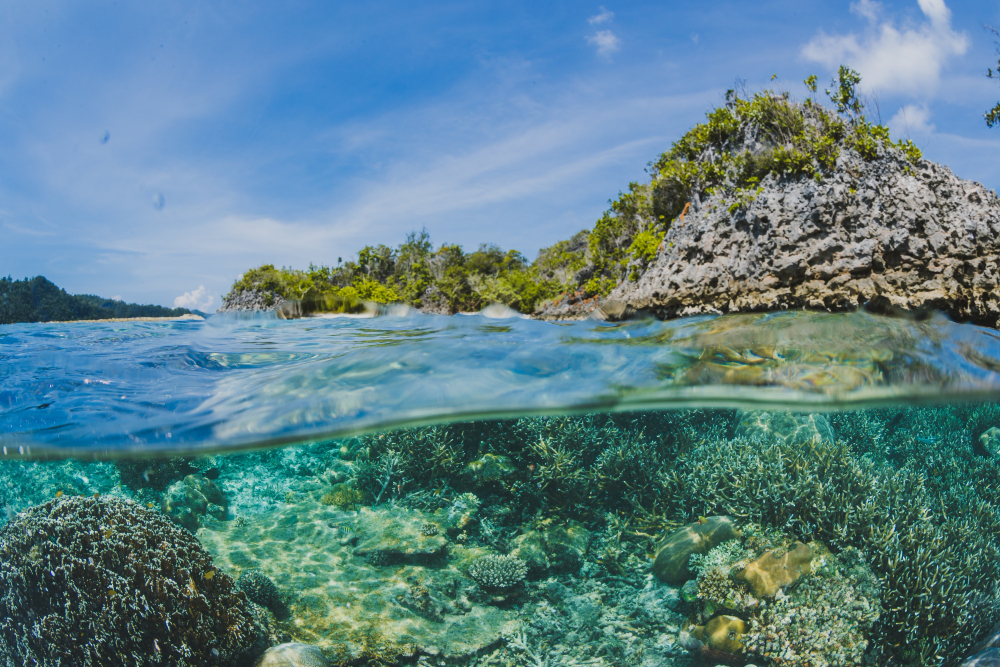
pixel 894 58
pixel 605 41
pixel 603 17
pixel 867 9
pixel 911 119
pixel 198 299
pixel 117 297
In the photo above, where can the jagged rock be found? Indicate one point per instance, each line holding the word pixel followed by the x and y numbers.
pixel 671 562
pixel 250 301
pixel 434 301
pixel 915 236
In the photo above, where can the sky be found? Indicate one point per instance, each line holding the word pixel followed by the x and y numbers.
pixel 155 151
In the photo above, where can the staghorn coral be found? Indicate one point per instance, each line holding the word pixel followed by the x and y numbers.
pixel 939 536
pixel 103 581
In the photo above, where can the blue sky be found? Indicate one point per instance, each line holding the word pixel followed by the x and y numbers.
pixel 153 151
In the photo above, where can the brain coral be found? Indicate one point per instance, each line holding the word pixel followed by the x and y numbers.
pixel 102 581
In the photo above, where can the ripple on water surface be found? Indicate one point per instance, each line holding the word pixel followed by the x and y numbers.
pixel 230 383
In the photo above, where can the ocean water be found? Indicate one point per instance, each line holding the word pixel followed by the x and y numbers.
pixel 785 489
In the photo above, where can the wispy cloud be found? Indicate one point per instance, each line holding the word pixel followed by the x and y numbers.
pixel 605 41
pixel 894 58
pixel 603 17
pixel 911 119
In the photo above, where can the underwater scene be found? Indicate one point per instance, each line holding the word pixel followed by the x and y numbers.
pixel 791 489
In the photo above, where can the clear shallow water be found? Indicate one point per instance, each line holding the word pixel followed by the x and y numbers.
pixel 106 389
pixel 423 512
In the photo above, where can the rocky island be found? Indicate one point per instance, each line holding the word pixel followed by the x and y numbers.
pixel 771 204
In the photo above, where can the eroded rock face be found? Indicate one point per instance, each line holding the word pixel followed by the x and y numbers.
pixel 918 236
pixel 671 562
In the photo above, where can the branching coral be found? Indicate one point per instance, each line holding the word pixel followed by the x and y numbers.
pixel 935 549
pixel 495 572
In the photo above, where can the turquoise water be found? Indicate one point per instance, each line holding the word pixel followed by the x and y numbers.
pixel 109 388
pixel 790 489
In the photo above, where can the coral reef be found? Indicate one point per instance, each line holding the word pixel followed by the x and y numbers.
pixel 258 588
pixel 940 530
pixel 494 572
pixel 143 589
pixel 292 655
pixel 776 569
pixel 671 563
pixel 153 473
pixel 194 497
pixel 825 622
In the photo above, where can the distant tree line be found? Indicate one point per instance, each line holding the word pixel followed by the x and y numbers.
pixel 38 300
pixel 446 279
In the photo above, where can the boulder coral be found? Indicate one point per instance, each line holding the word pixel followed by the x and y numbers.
pixel 722 633
pixel 102 581
pixel 671 561
pixel 776 569
pixel 193 497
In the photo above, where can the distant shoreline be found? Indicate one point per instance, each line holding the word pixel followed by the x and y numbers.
pixel 180 318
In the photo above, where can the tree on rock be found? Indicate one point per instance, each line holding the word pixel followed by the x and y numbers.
pixel 993 115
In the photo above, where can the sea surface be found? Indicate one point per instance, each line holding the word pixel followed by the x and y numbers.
pixel 771 489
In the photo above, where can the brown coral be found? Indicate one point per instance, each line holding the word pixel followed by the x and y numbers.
pixel 671 561
pixel 776 569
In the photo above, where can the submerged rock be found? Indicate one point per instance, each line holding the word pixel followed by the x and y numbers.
pixel 791 427
pixel 671 561
pixel 559 548
pixel 396 535
pixel 722 633
pixel 293 655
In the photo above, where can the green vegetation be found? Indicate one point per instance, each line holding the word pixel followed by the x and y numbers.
pixel 993 115
pixel 38 300
pixel 741 144
pixel 447 279
pixel 749 139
